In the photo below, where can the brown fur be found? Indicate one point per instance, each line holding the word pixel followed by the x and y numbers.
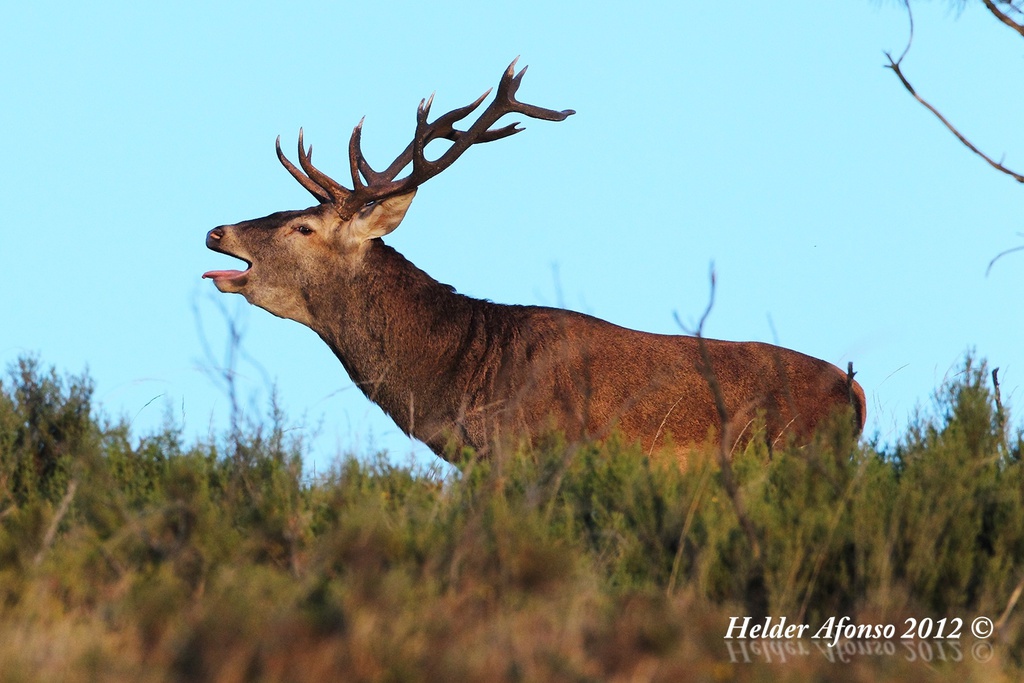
pixel 456 371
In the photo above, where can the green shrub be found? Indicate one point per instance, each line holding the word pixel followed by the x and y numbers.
pixel 151 560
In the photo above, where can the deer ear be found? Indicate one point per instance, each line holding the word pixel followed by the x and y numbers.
pixel 381 217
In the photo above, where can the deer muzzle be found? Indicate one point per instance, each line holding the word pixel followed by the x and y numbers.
pixel 225 280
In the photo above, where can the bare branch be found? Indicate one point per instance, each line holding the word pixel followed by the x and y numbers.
pixel 1001 255
pixel 910 37
pixel 895 64
pixel 1000 412
pixel 1002 16
pixel 850 374
pixel 1011 603
pixel 725 465
pixel 51 531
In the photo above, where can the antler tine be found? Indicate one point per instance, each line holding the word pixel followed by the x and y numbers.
pixel 509 86
pixel 509 82
pixel 357 163
pixel 440 128
pixel 443 127
pixel 480 131
pixel 419 141
pixel 310 186
pixel 338 194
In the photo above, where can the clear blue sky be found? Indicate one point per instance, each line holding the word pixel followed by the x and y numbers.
pixel 842 220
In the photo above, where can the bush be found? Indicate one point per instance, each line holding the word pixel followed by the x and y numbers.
pixel 152 560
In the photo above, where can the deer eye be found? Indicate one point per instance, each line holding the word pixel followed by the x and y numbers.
pixel 304 230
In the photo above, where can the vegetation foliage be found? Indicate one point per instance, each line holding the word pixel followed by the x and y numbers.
pixel 125 559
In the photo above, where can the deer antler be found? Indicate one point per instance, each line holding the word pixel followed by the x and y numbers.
pixel 381 184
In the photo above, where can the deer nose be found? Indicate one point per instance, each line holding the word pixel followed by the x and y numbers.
pixel 213 237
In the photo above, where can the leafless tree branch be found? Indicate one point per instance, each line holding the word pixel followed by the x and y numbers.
pixel 1001 255
pixel 1003 17
pixel 895 65
pixel 1011 603
pixel 725 464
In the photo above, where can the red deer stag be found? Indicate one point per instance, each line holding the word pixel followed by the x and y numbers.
pixel 455 371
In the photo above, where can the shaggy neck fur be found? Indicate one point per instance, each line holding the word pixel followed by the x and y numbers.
pixel 408 341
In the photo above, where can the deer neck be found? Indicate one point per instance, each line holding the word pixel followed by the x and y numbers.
pixel 398 333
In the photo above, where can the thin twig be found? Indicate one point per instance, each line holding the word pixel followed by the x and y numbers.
pixel 850 374
pixel 1001 255
pixel 51 531
pixel 1001 16
pixel 995 391
pixel 661 426
pixel 1000 412
pixel 910 36
pixel 1011 603
pixel 707 370
pixel 895 64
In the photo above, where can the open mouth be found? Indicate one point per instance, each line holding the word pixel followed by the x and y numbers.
pixel 235 276
pixel 225 277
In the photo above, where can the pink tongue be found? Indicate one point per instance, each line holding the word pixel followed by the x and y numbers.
pixel 222 274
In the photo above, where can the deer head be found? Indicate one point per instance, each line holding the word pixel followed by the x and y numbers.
pixel 293 253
